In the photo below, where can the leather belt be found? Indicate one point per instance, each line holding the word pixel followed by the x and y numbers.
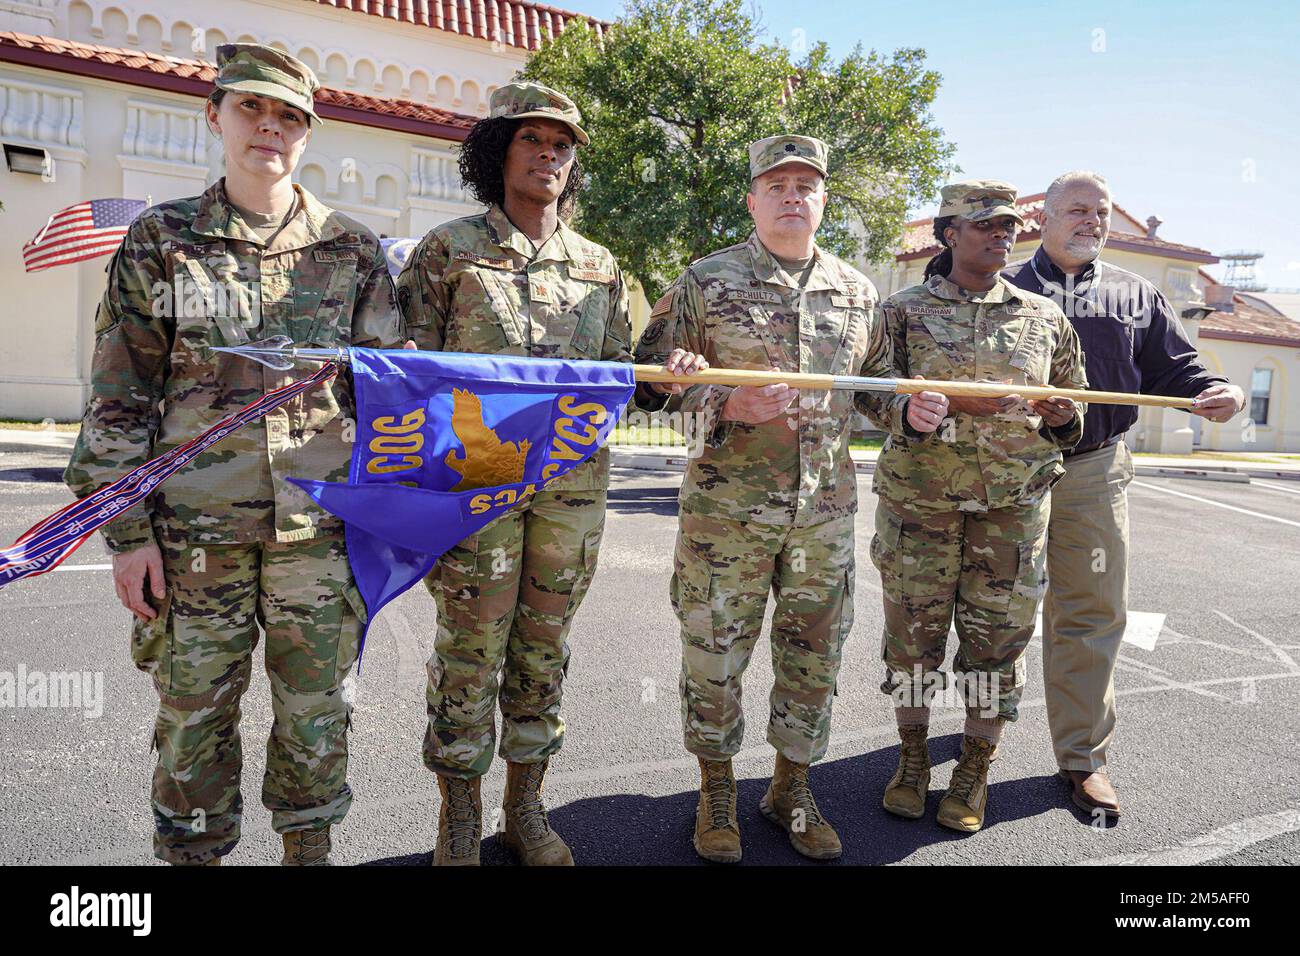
pixel 1089 448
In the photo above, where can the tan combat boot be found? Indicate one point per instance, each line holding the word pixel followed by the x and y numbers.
pixel 717 833
pixel 527 831
pixel 307 847
pixel 789 803
pixel 963 805
pixel 460 822
pixel 906 790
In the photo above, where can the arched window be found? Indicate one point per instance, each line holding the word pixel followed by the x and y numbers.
pixel 1261 390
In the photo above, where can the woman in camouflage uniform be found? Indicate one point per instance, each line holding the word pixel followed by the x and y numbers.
pixel 962 517
pixel 515 280
pixel 227 544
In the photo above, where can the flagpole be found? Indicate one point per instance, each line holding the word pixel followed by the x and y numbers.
pixel 278 353
pixel 905 386
pixel 44 229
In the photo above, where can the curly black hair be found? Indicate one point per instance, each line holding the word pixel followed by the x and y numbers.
pixel 483 160
pixel 941 264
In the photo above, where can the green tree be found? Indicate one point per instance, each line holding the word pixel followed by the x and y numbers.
pixel 680 88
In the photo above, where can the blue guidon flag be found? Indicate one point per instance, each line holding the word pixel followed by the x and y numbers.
pixel 446 442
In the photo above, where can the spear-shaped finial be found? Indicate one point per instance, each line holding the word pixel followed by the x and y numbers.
pixel 279 353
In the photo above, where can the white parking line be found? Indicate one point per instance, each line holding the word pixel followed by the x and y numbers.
pixel 1272 487
pixel 1281 655
pixel 1224 841
pixel 1217 504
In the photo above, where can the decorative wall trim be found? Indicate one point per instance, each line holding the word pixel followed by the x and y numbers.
pixel 435 175
pixel 37 114
pixel 169 134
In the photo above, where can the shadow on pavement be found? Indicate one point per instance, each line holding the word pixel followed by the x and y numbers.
pixel 636 830
pixel 658 501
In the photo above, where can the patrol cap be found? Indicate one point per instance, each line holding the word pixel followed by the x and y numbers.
pixel 979 199
pixel 523 100
pixel 778 150
pixel 266 71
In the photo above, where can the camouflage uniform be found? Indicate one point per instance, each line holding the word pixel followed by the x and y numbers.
pixel 241 546
pixel 962 513
pixel 768 506
pixel 507 595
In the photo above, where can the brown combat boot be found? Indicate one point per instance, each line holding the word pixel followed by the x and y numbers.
pixel 789 804
pixel 460 822
pixel 307 847
pixel 962 807
pixel 717 833
pixel 527 831
pixel 906 790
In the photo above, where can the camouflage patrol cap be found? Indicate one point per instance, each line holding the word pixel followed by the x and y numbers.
pixel 979 199
pixel 778 150
pixel 523 100
pixel 266 71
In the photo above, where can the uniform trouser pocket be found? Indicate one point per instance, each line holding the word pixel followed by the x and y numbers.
pixel 722 574
pixel 561 546
pixel 313 616
pixel 919 559
pixel 151 649
pixel 813 586
pixel 312 613
pixel 199 652
pixel 476 584
pixel 1002 582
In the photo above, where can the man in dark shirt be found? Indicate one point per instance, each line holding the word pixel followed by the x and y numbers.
pixel 1132 342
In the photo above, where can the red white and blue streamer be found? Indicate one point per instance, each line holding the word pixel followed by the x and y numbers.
pixel 44 546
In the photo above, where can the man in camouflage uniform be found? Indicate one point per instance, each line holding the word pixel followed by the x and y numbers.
pixel 507 595
pixel 769 504
pixel 240 546
pixel 962 514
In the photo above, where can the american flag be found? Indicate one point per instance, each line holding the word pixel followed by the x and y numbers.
pixel 83 231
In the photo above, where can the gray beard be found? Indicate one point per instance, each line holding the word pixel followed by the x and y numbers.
pixel 1084 249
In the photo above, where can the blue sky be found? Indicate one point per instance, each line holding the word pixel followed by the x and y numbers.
pixel 1190 109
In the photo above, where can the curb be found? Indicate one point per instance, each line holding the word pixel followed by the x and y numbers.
pixel 1198 474
pixel 646 461
pixel 33 439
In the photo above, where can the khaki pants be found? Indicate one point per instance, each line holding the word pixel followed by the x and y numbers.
pixel 1086 607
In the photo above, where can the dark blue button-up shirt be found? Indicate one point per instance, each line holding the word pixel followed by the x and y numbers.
pixel 1132 339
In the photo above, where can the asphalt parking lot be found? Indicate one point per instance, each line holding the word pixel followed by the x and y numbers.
pixel 1206 760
